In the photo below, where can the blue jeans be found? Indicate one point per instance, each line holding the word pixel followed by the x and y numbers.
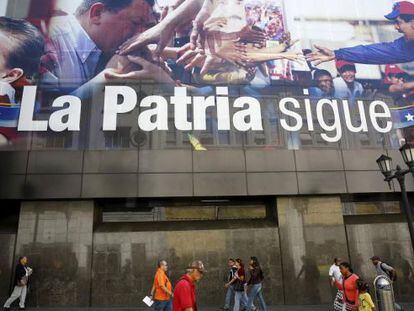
pixel 229 296
pixel 162 305
pixel 256 291
pixel 240 300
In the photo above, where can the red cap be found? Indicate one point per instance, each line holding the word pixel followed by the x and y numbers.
pixel 393 69
pixel 401 8
pixel 342 63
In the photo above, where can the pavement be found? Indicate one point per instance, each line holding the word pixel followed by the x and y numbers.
pixel 407 307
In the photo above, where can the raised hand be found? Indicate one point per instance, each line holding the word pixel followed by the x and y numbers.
pixel 248 34
pixel 163 32
pixel 320 56
pixel 149 71
pixel 156 34
pixel 192 58
pixel 231 51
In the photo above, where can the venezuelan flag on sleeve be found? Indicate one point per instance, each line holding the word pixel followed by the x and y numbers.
pixel 403 117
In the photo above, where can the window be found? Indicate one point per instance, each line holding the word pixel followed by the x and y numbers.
pixel 369 205
pixel 133 210
pixel 119 139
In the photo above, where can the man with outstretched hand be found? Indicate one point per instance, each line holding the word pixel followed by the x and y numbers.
pixel 398 51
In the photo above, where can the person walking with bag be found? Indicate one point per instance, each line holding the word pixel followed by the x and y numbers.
pixel 21 280
pixel 162 289
pixel 255 283
pixel 336 276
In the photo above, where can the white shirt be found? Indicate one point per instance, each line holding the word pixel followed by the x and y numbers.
pixel 76 54
pixel 342 91
pixel 335 273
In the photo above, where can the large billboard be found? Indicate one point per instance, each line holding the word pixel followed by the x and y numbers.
pixel 205 74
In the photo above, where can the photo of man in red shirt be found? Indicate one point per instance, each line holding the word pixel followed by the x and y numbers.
pixel 184 292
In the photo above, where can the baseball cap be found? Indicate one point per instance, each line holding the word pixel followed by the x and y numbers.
pixel 393 69
pixel 198 265
pixel 401 8
pixel 340 64
pixel 375 258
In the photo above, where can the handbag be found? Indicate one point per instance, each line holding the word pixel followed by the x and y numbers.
pixel 338 303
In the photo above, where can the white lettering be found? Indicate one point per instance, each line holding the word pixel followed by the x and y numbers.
pixel 111 107
pixel 72 112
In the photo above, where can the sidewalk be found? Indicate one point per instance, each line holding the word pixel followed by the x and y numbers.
pixel 407 307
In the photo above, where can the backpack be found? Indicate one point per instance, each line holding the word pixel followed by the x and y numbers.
pixel 390 276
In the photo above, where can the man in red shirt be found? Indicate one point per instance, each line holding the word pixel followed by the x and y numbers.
pixel 184 292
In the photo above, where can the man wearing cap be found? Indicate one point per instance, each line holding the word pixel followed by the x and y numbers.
pixel 184 292
pixel 345 85
pixel 398 51
pixel 399 84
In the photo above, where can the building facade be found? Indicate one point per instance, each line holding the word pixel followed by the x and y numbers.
pixel 94 227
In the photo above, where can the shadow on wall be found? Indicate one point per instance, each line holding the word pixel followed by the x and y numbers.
pixel 391 243
pixel 124 263
pixel 57 279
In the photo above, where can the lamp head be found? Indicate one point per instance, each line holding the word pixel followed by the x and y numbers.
pixel 385 163
pixel 407 153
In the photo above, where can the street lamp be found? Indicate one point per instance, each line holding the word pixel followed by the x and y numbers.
pixel 407 153
pixel 385 164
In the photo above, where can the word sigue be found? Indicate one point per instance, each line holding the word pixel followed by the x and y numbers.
pixel 123 99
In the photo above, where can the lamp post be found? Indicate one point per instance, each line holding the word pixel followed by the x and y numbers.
pixel 385 165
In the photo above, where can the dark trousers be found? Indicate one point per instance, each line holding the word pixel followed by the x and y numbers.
pixel 162 305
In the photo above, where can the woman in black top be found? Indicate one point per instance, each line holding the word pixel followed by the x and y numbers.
pixel 255 283
pixel 20 284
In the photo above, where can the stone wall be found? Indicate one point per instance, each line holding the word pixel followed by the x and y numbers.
pixel 56 236
pixel 312 233
pixel 390 241
pixel 114 265
pixel 7 241
pixel 124 262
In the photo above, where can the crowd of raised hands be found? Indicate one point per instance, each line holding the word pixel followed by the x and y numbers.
pixel 221 41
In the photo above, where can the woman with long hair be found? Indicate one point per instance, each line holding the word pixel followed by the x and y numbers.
pixel 239 283
pixel 349 286
pixel 255 283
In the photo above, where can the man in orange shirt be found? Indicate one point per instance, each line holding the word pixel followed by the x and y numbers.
pixel 161 289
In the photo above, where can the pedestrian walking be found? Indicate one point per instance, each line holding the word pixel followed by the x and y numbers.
pixel 162 289
pixel 365 300
pixel 21 280
pixel 349 287
pixel 184 297
pixel 240 298
pixel 231 263
pixel 255 284
pixel 336 276
pixel 385 269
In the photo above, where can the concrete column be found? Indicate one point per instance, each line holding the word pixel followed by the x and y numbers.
pixel 312 233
